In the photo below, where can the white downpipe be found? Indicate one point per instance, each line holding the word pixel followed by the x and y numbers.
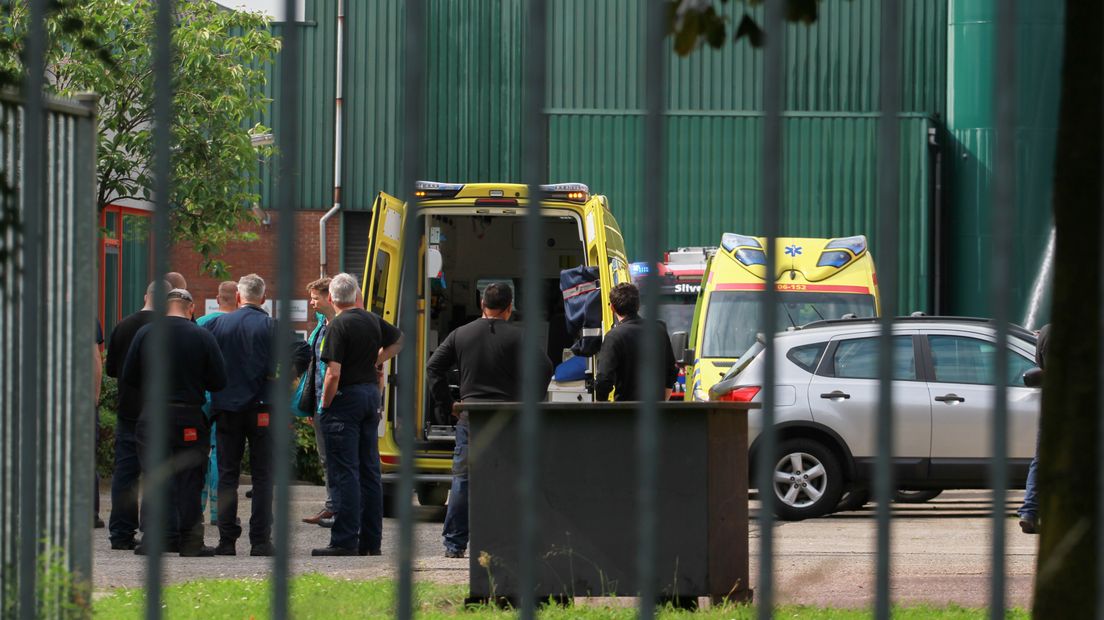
pixel 338 127
pixel 1042 282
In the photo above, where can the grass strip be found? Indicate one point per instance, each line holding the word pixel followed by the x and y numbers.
pixel 322 597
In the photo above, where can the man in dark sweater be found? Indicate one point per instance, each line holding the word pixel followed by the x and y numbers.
pixel 356 343
pixel 195 366
pixel 241 410
pixel 123 522
pixel 621 350
pixel 488 353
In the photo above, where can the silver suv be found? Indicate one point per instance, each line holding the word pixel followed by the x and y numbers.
pixel 827 406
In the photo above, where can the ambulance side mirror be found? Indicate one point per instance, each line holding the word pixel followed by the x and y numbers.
pixel 679 342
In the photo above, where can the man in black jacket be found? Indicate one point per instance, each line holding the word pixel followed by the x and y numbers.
pixel 241 410
pixel 621 349
pixel 195 366
pixel 488 353
pixel 123 522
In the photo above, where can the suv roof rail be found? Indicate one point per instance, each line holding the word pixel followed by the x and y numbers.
pixel 1017 330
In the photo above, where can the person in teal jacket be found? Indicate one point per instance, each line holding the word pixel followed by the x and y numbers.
pixel 308 398
pixel 227 302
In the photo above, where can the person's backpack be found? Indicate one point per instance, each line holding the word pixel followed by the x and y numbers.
pixel 582 295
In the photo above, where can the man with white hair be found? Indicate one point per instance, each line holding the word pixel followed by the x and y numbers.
pixel 241 413
pixel 357 343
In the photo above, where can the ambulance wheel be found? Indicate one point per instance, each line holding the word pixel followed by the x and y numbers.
pixel 433 494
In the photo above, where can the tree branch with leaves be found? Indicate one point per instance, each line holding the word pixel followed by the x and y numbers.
pixel 220 56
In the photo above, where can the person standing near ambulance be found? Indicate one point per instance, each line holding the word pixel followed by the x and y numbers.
pixel 241 413
pixel 357 342
pixel 488 354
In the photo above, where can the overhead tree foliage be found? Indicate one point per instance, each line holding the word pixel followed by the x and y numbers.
pixel 693 23
pixel 104 46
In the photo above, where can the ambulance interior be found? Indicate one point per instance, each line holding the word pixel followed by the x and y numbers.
pixel 475 250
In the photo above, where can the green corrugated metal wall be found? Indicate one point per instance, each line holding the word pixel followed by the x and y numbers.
pixel 713 184
pixel 316 109
pixel 595 114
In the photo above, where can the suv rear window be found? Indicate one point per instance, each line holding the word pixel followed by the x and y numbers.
pixel 807 356
pixel 858 359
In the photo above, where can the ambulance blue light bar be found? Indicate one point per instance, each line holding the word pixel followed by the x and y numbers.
pixel 574 192
pixel 731 241
pixel 856 244
pixel 432 189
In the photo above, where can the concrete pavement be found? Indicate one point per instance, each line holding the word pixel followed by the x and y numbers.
pixel 940 554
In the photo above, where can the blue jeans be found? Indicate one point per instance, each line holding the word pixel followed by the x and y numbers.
pixel 1030 507
pixel 123 522
pixel 456 518
pixel 350 426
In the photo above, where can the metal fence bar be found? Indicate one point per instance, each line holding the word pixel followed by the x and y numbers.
pixel 1100 423
pixel 889 153
pixel 1004 162
pixel 534 151
pixel 649 369
pixel 413 136
pixel 771 149
pixel 155 411
pixel 31 385
pixel 282 454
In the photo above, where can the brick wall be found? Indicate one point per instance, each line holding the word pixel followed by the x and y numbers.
pixel 260 257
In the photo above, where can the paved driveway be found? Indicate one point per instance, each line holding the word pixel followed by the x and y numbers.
pixel 940 554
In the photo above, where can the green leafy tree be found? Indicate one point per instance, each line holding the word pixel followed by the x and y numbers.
pixel 103 46
pixel 692 23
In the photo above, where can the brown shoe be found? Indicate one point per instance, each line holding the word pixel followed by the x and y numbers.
pixel 322 514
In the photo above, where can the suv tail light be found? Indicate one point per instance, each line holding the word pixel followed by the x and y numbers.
pixel 739 395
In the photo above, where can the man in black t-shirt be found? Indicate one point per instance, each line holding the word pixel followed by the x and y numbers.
pixel 195 366
pixel 357 342
pixel 488 353
pixel 123 523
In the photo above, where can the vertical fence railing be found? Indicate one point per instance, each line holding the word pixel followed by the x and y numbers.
pixel 33 222
pixel 1004 170
pixel 534 150
pixel 770 216
pixel 649 368
pixel 157 474
pixel 889 200
pixel 413 144
pixel 287 136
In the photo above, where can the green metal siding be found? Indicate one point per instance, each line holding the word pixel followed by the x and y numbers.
pixel 373 89
pixel 474 90
pixel 316 109
pixel 595 60
pixel 829 180
pixel 971 125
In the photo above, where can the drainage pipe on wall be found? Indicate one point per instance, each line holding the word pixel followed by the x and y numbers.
pixel 338 127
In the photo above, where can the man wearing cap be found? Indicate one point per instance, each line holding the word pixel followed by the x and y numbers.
pixel 195 366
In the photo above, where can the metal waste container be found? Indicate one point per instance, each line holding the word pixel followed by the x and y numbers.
pixel 586 541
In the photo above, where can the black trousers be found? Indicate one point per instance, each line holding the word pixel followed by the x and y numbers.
pixel 232 431
pixel 188 450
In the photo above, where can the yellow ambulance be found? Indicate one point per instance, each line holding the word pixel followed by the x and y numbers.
pixel 816 279
pixel 471 235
